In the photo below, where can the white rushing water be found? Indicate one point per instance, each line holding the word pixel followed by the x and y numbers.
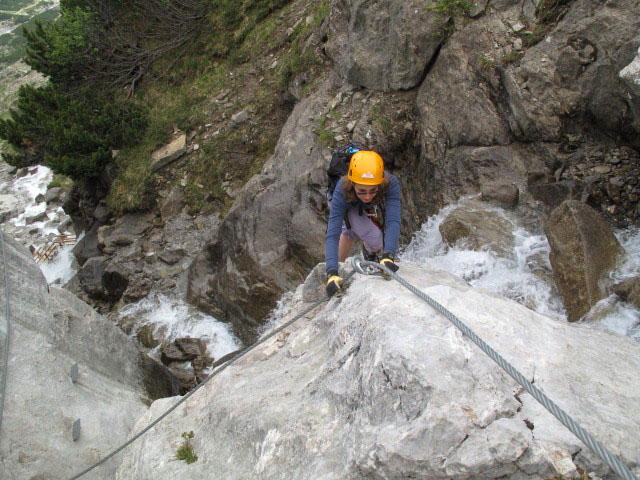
pixel 172 319
pixel 525 278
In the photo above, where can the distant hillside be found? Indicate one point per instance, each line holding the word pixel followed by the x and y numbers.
pixel 14 14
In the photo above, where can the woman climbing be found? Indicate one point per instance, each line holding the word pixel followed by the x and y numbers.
pixel 356 209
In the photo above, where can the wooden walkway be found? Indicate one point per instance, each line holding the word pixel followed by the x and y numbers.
pixel 49 251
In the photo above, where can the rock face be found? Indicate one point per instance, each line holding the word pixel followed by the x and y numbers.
pixel 50 332
pixel 583 251
pixel 273 233
pixel 383 45
pixel 376 384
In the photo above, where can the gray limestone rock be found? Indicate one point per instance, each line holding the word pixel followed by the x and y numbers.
pixel 376 384
pixel 383 45
pixel 52 330
pixel 273 234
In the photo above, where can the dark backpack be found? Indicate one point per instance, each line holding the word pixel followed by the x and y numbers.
pixel 340 164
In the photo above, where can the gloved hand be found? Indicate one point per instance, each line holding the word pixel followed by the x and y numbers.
pixel 387 261
pixel 334 283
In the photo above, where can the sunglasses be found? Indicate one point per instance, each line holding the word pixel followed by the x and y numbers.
pixel 373 191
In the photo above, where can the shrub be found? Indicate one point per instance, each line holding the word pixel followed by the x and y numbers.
pixel 73 134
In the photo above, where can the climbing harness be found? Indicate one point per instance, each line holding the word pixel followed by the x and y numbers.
pixel 5 360
pixel 586 438
pixel 239 355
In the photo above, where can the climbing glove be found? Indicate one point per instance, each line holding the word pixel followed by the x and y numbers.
pixel 387 261
pixel 334 284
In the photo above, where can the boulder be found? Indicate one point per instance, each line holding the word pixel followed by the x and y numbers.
pixel 384 45
pixel 376 384
pixel 504 194
pixel 103 280
pixel 173 204
pixel 475 227
pixel 629 291
pixel 583 251
pixel 88 246
pixel 53 195
pixel 51 331
pixel 168 153
pixel 553 194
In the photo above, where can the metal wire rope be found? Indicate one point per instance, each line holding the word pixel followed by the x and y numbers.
pixel 240 354
pixel 5 361
pixel 586 438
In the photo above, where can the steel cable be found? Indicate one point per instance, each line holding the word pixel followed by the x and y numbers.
pixel 222 367
pixel 586 438
pixel 5 360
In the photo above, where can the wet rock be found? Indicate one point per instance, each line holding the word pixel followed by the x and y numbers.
pixel 171 353
pixel 583 251
pixel 192 347
pixel 184 373
pixel 629 291
pixel 146 335
pixel 88 246
pixel 41 217
pixel 53 195
pixel 476 228
pixel 102 280
pixel 504 194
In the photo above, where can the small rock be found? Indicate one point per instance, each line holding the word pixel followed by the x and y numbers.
pixel 339 138
pixel 239 118
pixel 309 20
pixel 351 126
pixel 517 26
pixel 602 169
pixel 517 44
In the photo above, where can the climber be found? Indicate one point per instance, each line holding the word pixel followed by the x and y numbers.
pixel 355 212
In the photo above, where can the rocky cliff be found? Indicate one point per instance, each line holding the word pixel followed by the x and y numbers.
pixel 75 382
pixel 542 97
pixel 376 384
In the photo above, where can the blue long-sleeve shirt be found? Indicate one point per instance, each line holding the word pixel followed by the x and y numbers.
pixel 339 207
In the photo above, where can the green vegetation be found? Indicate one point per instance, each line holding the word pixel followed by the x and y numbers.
pixel 448 11
pixel 551 11
pixel 238 50
pixel 297 61
pixel 325 137
pixel 510 57
pixel 451 8
pixel 185 452
pixel 376 115
pixel 486 63
pixel 72 134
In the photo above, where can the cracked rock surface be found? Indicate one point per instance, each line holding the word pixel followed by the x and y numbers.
pixel 378 385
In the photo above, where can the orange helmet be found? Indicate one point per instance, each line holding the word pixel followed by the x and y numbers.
pixel 366 168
